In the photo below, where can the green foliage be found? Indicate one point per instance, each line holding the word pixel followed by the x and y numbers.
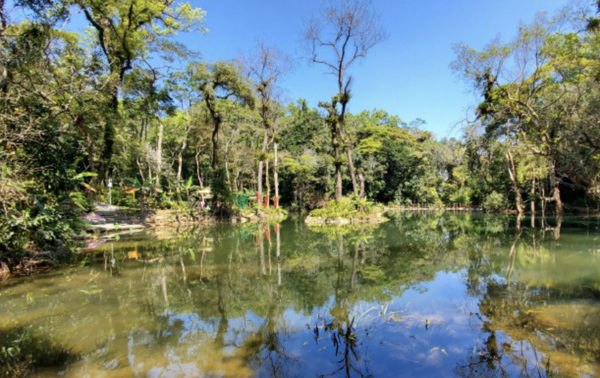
pixel 305 179
pixel 124 29
pixel 305 129
pixel 122 199
pixel 274 211
pixel 223 198
pixel 348 208
pixel 462 196
pixel 75 107
pixel 38 217
pixel 494 202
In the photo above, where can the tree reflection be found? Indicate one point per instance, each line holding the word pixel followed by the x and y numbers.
pixel 230 302
pixel 341 328
pixel 265 348
pixel 533 324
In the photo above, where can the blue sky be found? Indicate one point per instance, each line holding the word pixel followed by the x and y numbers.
pixel 407 75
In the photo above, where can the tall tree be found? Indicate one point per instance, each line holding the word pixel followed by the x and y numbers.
pixel 182 90
pixel 519 89
pixel 156 102
pixel 343 33
pixel 124 30
pixel 266 67
pixel 218 82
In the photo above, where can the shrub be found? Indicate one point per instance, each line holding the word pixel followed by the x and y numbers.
pixel 494 202
pixel 351 208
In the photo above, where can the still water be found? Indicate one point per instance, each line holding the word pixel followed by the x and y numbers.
pixel 424 295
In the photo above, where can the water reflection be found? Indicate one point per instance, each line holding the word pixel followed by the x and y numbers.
pixel 427 295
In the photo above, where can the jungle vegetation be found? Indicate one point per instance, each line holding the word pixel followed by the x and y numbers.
pixel 124 101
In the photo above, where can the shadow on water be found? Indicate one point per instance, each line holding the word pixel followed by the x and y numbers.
pixel 22 352
pixel 428 295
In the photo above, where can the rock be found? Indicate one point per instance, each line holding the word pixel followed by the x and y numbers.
pixel 314 221
pixel 101 206
pixel 339 221
pixel 4 271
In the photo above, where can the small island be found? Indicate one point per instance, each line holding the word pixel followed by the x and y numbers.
pixel 346 211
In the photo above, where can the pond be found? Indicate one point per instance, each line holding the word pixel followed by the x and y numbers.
pixel 424 295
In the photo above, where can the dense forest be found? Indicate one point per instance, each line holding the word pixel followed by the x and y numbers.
pixel 124 102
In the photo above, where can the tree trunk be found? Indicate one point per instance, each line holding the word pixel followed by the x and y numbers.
pixel 142 122
pixel 533 203
pixel 259 180
pixel 236 180
pixel 227 176
pixel 215 142
pixel 179 168
pixel 338 182
pixel 90 151
pixel 109 133
pixel 361 179
pixel 543 205
pixel 141 171
pixel 512 172
pixel 267 184
pixel 343 92
pixel 198 175
pixel 338 165
pixel 181 151
pixel 149 163
pixel 556 198
pixel 159 151
pixel 533 196
pixel 351 169
pixel 216 118
pixel 275 174
pixel 559 221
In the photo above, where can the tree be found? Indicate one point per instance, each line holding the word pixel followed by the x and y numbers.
pixel 344 32
pixel 266 67
pixel 124 30
pixel 156 102
pixel 216 83
pixel 46 110
pixel 519 87
pixel 181 86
